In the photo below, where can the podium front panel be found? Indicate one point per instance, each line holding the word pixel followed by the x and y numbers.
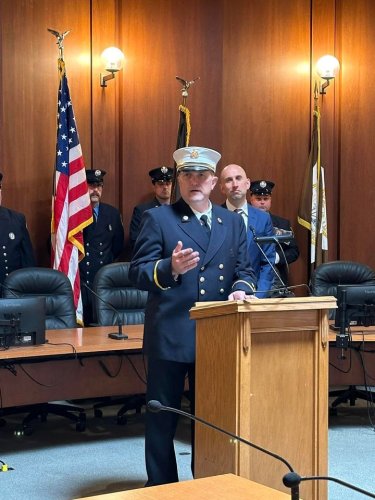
pixel 264 376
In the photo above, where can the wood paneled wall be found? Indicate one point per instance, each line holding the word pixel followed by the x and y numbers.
pixel 252 103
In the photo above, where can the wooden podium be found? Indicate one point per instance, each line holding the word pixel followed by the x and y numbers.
pixel 262 373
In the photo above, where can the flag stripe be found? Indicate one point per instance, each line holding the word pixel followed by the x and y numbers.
pixel 71 208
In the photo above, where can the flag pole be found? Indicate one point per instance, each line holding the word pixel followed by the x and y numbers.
pixel 71 205
pixel 183 132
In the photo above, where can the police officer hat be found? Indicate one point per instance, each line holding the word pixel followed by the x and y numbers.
pixel 262 188
pixel 164 174
pixel 196 159
pixel 95 176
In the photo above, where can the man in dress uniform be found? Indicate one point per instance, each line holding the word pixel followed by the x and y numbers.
pixel 103 239
pixel 15 243
pixel 161 178
pixel 261 197
pixel 235 184
pixel 186 252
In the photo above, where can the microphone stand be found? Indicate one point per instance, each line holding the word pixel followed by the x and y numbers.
pixel 291 479
pixel 283 290
pixel 117 335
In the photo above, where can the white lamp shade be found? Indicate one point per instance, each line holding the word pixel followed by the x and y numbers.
pixel 113 58
pixel 327 66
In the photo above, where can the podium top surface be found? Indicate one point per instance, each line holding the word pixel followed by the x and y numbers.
pixel 205 309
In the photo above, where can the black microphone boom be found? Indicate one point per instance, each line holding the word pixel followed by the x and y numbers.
pixel 155 406
pixel 283 238
pixel 117 335
pixel 282 291
pixel 291 479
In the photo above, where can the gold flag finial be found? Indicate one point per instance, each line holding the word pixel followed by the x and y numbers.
pixel 60 38
pixel 186 84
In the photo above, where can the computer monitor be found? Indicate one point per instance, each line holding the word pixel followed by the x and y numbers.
pixel 356 306
pixel 22 321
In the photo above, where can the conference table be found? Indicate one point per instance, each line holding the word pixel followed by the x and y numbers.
pixel 74 363
pixel 348 366
pixel 80 363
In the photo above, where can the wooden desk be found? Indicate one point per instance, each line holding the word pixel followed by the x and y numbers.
pixel 349 371
pixel 70 366
pixel 225 487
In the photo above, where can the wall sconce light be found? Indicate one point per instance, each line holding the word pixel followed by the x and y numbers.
pixel 113 59
pixel 327 68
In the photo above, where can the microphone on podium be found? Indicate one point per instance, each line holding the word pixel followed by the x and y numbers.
pixel 282 238
pixel 117 335
pixel 291 479
pixel 283 290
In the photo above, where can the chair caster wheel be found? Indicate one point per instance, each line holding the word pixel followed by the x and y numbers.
pixel 122 420
pixel 98 413
pixel 27 431
pixel 80 426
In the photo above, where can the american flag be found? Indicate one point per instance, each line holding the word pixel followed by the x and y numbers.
pixel 71 208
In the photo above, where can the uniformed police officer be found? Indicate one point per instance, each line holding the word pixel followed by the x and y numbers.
pixel 186 252
pixel 287 252
pixel 15 243
pixel 161 178
pixel 103 239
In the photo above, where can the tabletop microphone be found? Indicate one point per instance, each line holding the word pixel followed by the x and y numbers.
pixel 117 335
pixel 291 479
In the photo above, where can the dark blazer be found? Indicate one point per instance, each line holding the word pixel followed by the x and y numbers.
pixel 15 244
pixel 103 240
pixel 290 250
pixel 260 224
pixel 135 222
pixel 224 267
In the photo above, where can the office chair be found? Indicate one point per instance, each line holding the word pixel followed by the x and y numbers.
pixel 119 299
pixel 60 313
pixel 324 281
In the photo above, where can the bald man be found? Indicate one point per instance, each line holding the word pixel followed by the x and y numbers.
pixel 234 184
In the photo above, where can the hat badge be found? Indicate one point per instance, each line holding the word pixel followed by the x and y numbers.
pixel 164 170
pixel 263 184
pixel 194 154
pixel 98 173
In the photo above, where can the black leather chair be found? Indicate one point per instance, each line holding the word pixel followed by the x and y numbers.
pixel 60 313
pixel 324 281
pixel 48 283
pixel 119 299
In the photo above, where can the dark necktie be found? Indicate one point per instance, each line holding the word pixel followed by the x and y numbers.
pixel 205 224
pixel 239 211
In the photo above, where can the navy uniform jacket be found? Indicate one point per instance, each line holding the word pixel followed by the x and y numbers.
pixel 135 222
pixel 15 243
pixel 260 224
pixel 291 250
pixel 103 240
pixel 224 267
